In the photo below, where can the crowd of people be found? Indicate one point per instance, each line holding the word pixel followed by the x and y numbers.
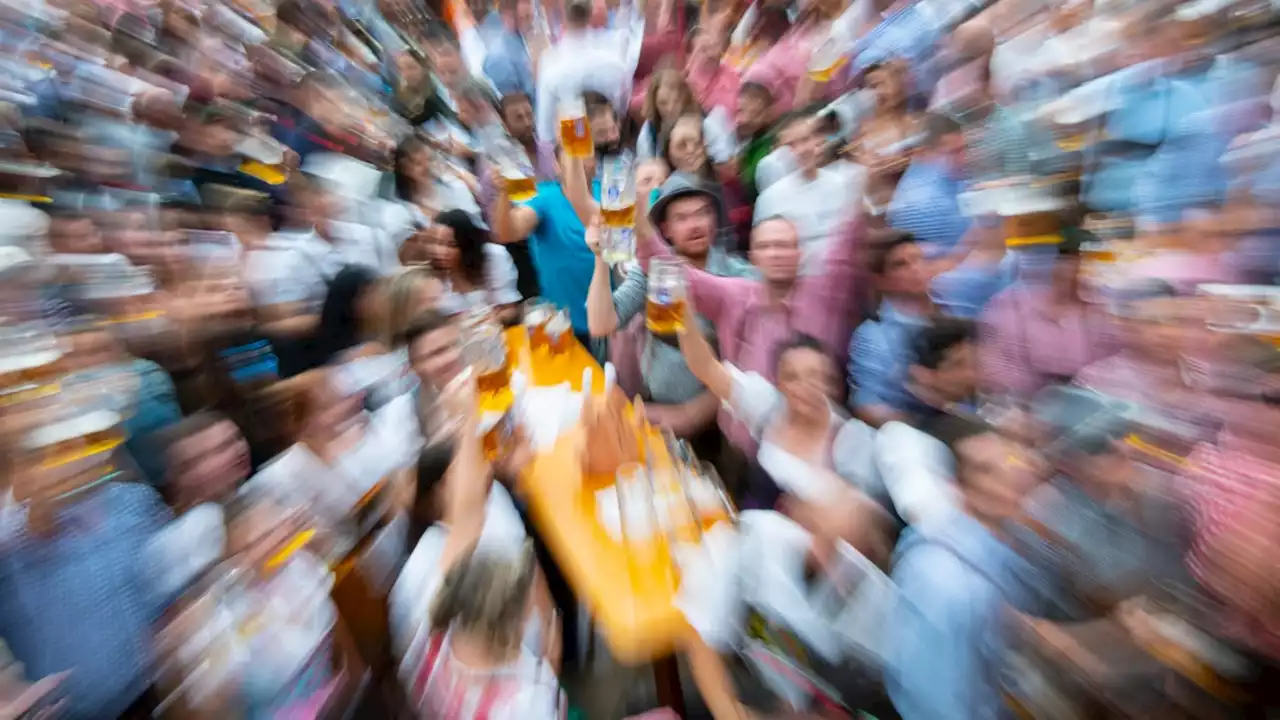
pixel 978 327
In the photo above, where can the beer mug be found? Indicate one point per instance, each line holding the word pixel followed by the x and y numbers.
pixel 664 308
pixel 519 179
pixel 559 332
pixel 496 431
pixel 537 312
pixel 575 130
pixel 827 59
pixel 618 209
pixel 493 368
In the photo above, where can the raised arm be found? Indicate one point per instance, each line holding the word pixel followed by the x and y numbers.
pixel 701 358
pixel 577 188
pixel 609 309
pixel 511 223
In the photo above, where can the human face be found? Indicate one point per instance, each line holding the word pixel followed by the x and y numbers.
pixel 333 413
pixel 886 83
pixel 523 15
pixel 708 47
pixel 690 225
pixel 956 377
pixel 670 97
pixel 993 484
pixel 905 272
pixel 604 128
pixel 210 464
pixel 409 70
pixel 446 61
pixel 416 165
pixel 517 115
pixel 805 142
pixel 752 114
pixel 442 248
pixel 807 379
pixel 686 149
pixel 436 357
pixel 75 236
pixel 775 251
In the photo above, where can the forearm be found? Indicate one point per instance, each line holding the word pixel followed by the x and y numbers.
pixel 577 189
pixel 714 682
pixel 692 417
pixel 602 316
pixel 501 215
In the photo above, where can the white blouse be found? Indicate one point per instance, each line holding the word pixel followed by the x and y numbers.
pixel 759 405
pixel 499 284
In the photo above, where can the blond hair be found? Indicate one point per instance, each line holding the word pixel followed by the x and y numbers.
pixel 485 595
pixel 399 303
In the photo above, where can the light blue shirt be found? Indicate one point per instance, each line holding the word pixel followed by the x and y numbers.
pixel 956 581
pixel 561 257
pixel 926 205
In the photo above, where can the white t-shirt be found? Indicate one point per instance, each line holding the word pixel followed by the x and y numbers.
pixel 819 209
pixel 409 604
pixel 401 219
pixel 758 405
pixel 746 588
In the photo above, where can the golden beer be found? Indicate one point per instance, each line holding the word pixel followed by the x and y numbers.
pixel 536 316
pixel 664 318
pixel 575 136
pixel 619 217
pixel 496 432
pixel 519 188
pixel 559 337
pixel 824 74
pixel 494 387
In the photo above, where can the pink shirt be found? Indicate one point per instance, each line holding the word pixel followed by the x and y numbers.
pixel 1024 349
pixel 750 329
pixel 715 86
pixel 781 68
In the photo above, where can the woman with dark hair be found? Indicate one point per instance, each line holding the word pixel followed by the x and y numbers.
pixel 425 187
pixel 805 445
pixel 475 272
pixel 346 317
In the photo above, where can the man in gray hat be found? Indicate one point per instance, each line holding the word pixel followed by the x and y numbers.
pixel 689 215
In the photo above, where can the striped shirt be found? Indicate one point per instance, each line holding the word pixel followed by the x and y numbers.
pixel 1235 504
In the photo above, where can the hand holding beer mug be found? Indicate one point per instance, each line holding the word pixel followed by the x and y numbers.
pixel 492 368
pixel 575 130
pixel 618 209
pixel 514 170
pixel 665 306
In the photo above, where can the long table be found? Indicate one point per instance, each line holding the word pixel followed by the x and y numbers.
pixel 631 596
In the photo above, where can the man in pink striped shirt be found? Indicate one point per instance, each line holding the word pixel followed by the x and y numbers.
pixel 754 317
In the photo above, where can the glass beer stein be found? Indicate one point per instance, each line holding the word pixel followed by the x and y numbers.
pixel 665 306
pixel 536 314
pixel 559 332
pixel 519 179
pixel 493 368
pixel 575 130
pixel 618 209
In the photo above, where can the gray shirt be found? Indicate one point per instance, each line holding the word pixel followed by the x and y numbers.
pixel 666 377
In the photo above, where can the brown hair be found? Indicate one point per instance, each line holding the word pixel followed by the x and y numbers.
pixel 689 105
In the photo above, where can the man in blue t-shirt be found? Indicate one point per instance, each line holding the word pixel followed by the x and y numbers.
pixel 555 232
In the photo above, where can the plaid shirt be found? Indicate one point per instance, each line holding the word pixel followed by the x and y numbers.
pixel 82 599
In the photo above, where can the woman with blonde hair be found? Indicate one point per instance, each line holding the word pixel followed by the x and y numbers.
pixel 670 98
pixel 474 663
